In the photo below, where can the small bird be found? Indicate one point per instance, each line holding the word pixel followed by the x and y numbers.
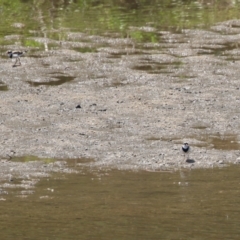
pixel 185 148
pixel 17 55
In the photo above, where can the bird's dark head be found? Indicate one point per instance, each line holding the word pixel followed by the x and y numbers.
pixel 185 144
pixel 9 52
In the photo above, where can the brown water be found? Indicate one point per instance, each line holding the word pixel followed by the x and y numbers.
pixel 3 86
pixel 60 80
pixel 199 204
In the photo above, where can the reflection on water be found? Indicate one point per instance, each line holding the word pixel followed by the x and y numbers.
pixel 104 17
pixel 198 204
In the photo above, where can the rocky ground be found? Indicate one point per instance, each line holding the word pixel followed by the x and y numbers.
pixel 123 104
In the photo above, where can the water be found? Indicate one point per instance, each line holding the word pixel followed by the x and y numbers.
pixel 199 204
pixel 60 80
pixel 53 19
pixel 3 87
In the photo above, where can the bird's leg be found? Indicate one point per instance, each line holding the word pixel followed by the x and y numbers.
pixel 184 156
pixel 19 61
pixel 15 63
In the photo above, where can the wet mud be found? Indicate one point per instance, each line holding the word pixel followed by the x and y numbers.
pixel 124 104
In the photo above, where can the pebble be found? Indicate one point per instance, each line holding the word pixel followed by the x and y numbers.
pixel 237 160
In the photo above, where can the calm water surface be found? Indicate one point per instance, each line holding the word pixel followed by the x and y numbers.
pixel 54 18
pixel 199 204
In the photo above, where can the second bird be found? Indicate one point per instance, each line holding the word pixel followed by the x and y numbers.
pixel 186 148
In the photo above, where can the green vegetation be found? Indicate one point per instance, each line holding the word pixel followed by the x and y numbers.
pixel 32 43
pixel 32 158
pixel 107 16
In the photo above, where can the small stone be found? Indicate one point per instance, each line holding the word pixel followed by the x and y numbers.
pixel 237 160
pixel 78 106
pixel 18 25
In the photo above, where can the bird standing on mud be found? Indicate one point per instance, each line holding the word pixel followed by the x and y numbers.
pixel 17 55
pixel 185 148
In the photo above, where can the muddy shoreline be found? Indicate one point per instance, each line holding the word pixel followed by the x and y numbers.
pixel 125 105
